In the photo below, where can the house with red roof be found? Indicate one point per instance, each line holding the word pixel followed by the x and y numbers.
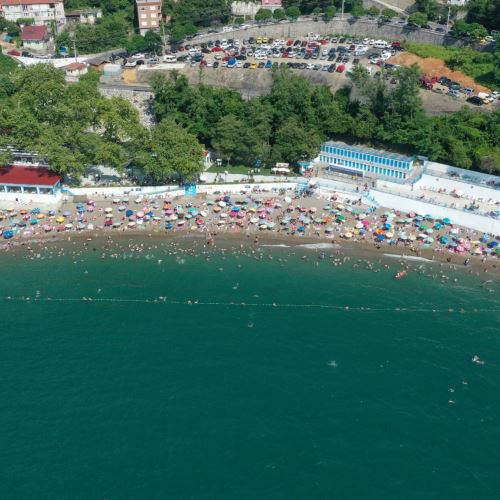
pixel 75 70
pixel 26 182
pixel 36 39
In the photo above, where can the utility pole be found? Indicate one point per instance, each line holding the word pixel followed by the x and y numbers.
pixel 342 15
pixel 74 50
pixel 163 37
pixel 448 20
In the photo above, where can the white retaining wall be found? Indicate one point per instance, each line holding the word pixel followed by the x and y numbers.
pixel 46 199
pixel 469 190
pixel 465 219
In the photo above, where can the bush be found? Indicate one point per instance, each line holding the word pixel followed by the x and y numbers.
pixel 263 15
pixel 293 12
pixel 279 14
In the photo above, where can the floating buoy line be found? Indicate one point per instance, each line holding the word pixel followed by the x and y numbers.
pixel 193 302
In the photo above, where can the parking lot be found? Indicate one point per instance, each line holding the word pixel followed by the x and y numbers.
pixel 314 53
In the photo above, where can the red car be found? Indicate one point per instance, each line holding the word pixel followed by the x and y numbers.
pixel 289 42
pixel 217 49
pixel 340 68
pixel 323 42
pixel 284 54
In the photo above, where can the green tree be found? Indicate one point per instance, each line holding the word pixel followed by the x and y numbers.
pixel 294 142
pixel 429 7
pixel 418 19
pixel 153 42
pixel 485 12
pixel 201 12
pixel 39 88
pixel 329 13
pixel 177 33
pixel 293 13
pixel 358 10
pixel 477 31
pixel 388 14
pixel 263 15
pixel 279 14
pixel 135 43
pixel 171 151
pixel 373 11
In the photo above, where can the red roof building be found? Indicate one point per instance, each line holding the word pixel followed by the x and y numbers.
pixel 25 179
pixel 34 33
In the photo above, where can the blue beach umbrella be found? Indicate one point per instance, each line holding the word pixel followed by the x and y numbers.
pixel 129 213
pixel 301 229
pixel 380 237
pixel 493 244
pixel 35 211
pixel 168 225
pixel 227 198
pixel 150 213
pixel 8 235
pixel 444 240
pixel 446 220
pixel 387 226
pixel 419 218
pixel 33 221
pixel 438 225
pixel 485 237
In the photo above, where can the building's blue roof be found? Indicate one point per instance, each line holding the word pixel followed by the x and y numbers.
pixel 364 149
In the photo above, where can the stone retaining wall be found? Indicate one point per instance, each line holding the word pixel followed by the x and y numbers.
pixel 360 28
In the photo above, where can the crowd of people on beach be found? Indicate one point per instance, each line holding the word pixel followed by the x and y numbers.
pixel 328 218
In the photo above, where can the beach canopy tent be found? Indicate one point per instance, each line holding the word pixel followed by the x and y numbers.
pixel 27 179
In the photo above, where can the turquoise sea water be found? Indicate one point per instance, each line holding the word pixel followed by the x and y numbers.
pixel 137 399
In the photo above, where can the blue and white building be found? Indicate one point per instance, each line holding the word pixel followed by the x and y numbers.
pixel 363 161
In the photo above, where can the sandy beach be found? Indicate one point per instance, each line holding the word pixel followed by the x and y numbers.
pixel 325 224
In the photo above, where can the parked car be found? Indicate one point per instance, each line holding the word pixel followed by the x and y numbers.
pixel 475 100
pixel 332 68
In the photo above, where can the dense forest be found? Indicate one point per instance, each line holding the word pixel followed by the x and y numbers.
pixel 74 127
pixel 291 122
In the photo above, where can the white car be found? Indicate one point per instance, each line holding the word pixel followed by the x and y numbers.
pixel 139 56
pixel 310 66
pixel 366 41
pixel 227 29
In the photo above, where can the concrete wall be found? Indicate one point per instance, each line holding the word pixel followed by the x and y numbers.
pixel 465 219
pixel 471 191
pixel 45 199
pixel 245 8
pixel 361 28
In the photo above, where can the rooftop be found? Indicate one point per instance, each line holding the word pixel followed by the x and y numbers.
pixel 74 65
pixel 28 176
pixel 29 2
pixel 364 149
pixel 34 33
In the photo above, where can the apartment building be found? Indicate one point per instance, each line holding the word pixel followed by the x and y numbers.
pixel 42 11
pixel 149 15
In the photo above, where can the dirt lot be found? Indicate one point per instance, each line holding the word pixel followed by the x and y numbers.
pixel 436 67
